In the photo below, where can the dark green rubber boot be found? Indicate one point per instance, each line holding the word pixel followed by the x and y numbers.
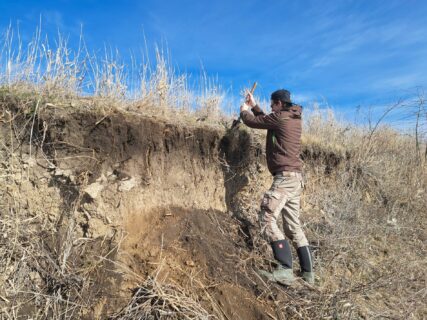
pixel 279 275
pixel 283 274
pixel 305 261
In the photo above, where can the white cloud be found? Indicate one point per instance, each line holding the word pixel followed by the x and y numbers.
pixel 302 97
pixel 54 17
pixel 402 81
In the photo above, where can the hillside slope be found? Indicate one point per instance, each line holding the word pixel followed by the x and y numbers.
pixel 111 213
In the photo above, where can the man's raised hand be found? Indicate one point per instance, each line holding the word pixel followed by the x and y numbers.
pixel 250 99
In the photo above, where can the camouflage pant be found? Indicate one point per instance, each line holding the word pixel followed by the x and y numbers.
pixel 283 196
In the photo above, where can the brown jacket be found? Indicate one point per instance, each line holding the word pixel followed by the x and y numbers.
pixel 283 147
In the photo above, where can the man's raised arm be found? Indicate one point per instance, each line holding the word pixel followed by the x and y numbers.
pixel 260 121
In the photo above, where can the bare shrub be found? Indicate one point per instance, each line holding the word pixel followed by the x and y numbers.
pixel 156 300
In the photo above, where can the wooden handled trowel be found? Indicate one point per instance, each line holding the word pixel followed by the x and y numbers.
pixel 239 120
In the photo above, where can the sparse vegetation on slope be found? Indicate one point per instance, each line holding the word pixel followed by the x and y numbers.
pixel 112 208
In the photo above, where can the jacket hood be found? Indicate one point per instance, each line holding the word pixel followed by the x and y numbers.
pixel 296 110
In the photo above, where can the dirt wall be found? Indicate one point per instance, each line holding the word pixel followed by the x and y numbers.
pixel 120 189
pixel 107 213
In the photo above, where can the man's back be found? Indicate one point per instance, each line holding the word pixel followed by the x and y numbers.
pixel 283 146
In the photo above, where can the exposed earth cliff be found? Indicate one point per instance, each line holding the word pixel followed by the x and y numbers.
pixel 113 213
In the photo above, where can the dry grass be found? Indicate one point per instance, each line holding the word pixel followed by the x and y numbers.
pixel 370 237
pixel 154 299
pixel 57 73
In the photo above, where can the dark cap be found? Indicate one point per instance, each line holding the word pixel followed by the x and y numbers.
pixel 281 95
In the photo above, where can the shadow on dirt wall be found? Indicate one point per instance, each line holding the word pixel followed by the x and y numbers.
pixel 241 155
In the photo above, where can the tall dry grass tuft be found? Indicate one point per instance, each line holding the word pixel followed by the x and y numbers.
pixel 57 70
pixel 41 67
pixel 369 185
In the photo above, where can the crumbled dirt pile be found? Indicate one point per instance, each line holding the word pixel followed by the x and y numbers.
pixel 201 250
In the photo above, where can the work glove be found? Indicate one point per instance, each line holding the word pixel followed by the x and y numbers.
pixel 250 99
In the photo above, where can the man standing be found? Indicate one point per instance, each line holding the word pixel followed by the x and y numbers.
pixel 283 150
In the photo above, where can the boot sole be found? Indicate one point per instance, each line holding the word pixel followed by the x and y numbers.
pixel 287 283
pixel 271 278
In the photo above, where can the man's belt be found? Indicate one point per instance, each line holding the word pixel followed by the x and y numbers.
pixel 287 174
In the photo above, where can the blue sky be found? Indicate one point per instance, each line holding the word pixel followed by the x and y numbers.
pixel 343 53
